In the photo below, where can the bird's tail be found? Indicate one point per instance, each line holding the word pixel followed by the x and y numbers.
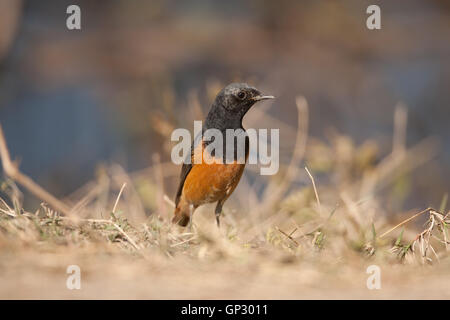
pixel 181 217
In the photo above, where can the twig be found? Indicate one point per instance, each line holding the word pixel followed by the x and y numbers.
pixel 405 221
pixel 315 189
pixel 136 209
pixel 83 202
pixel 125 234
pixel 182 242
pixel 9 211
pixel 293 231
pixel 287 236
pixel 118 198
pixel 11 170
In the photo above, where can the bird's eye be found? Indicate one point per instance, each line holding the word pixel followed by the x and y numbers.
pixel 242 95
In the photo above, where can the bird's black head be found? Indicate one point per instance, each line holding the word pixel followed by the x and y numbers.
pixel 231 104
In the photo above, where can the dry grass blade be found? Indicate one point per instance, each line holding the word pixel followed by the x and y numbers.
pixel 9 211
pixel 133 243
pixel 105 221
pixel 405 221
pixel 11 169
pixel 315 189
pixel 436 222
pixel 118 198
pixel 289 236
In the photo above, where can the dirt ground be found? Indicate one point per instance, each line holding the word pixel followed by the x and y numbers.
pixel 107 273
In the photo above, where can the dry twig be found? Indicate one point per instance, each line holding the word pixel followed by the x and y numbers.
pixel 11 170
pixel 288 235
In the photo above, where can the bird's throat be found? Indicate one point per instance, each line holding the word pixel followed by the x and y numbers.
pixel 222 119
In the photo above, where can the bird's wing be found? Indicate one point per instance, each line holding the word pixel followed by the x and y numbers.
pixel 185 169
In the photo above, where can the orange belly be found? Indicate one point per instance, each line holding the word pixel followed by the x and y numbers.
pixel 208 183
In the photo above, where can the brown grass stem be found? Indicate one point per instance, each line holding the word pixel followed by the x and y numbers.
pixel 12 171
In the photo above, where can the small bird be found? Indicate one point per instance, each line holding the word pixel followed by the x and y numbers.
pixel 214 182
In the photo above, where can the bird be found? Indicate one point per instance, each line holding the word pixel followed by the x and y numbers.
pixel 214 181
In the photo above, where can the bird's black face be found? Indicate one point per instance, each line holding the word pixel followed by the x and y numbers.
pixel 237 98
pixel 231 104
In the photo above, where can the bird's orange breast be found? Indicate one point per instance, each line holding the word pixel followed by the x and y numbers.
pixel 211 180
pixel 207 183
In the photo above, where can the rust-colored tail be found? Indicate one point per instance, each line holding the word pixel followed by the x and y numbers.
pixel 181 217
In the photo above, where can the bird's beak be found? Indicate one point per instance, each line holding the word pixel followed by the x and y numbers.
pixel 261 97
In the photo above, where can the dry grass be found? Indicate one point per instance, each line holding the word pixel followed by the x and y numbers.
pixel 311 240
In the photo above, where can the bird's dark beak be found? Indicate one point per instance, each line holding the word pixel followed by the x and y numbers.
pixel 262 97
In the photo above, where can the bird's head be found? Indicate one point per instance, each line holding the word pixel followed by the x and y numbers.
pixel 233 102
pixel 236 97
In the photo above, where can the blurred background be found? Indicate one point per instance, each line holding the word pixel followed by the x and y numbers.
pixel 72 101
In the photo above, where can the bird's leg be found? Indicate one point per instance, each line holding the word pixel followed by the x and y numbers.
pixel 218 211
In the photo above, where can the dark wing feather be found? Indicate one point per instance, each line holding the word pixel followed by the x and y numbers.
pixel 185 169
